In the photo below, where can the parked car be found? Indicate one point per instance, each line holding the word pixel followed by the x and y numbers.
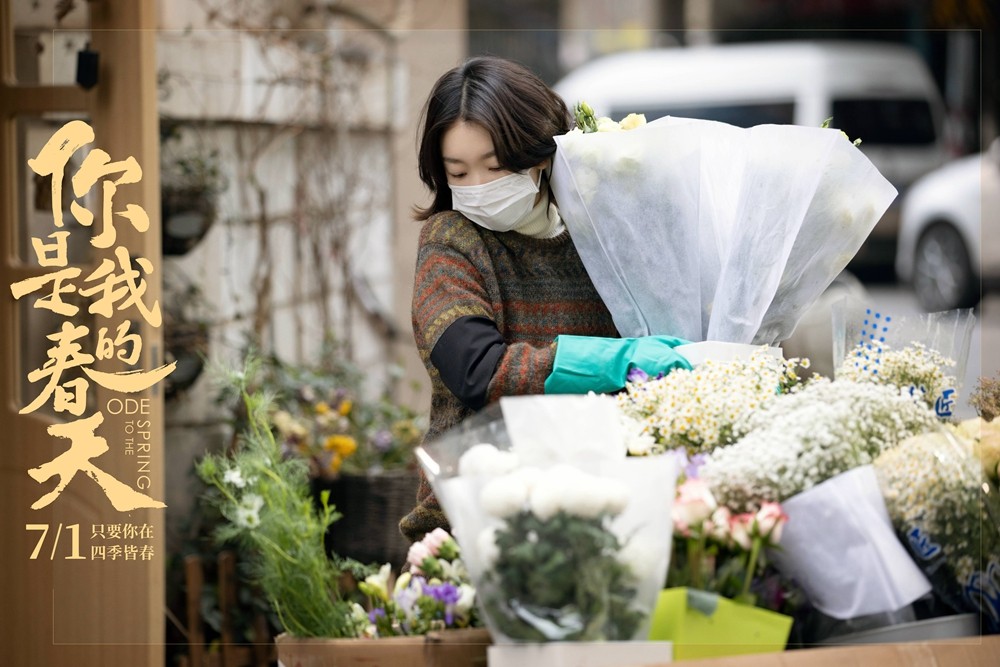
pixel 879 92
pixel 942 250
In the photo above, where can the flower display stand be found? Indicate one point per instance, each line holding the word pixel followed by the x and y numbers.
pixel 706 625
pixel 446 648
pixel 580 654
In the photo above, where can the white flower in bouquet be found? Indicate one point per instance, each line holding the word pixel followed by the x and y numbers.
pixel 486 459
pixel 697 409
pixel 808 436
pixel 508 494
pixel 915 366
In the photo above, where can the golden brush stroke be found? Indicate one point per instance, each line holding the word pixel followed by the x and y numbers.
pixel 85 445
pixel 129 382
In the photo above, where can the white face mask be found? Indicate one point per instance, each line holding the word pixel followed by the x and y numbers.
pixel 498 205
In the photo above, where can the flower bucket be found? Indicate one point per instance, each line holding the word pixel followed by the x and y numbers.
pixel 323 652
pixel 466 647
pixel 706 625
pixel 442 648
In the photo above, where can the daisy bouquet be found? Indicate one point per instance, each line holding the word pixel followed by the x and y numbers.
pixel 563 536
pixel 924 355
pixel 708 231
pixel 946 512
pixel 698 409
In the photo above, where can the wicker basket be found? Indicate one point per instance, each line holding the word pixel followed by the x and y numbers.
pixel 372 506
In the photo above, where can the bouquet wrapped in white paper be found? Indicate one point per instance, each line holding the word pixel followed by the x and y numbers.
pixel 564 537
pixel 707 231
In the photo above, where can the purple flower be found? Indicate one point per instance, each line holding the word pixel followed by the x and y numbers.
pixel 376 613
pixel 382 440
pixel 688 464
pixel 447 593
pixel 637 375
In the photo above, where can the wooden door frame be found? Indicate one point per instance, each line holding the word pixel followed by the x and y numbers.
pixel 123 112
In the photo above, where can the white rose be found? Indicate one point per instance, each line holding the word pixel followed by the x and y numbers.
pixel 605 124
pixel 476 460
pixel 632 121
pixel 466 599
pixel 485 459
pixel 504 496
pixel 547 498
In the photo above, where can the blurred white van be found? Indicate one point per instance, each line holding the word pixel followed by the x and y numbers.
pixel 878 92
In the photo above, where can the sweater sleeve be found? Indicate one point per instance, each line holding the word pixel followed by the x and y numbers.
pixel 455 284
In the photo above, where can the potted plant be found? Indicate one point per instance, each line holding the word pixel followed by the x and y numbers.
pixel 191 179
pixel 357 444
pixel 264 496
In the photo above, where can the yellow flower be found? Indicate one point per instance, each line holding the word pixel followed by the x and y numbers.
pixel 335 462
pixel 321 408
pixel 343 445
pixel 345 407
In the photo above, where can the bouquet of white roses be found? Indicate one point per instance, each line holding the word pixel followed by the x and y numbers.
pixel 708 231
pixel 563 536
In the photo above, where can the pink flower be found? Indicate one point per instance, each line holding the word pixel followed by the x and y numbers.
pixel 434 539
pixel 739 530
pixel 416 556
pixel 770 521
pixel 718 526
pixel 694 504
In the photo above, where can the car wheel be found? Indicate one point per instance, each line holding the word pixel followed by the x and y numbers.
pixel 942 274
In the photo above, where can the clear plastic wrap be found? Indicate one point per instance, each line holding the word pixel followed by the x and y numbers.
pixel 925 353
pixel 707 231
pixel 948 515
pixel 564 537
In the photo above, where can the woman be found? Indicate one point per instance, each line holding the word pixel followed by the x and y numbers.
pixel 502 303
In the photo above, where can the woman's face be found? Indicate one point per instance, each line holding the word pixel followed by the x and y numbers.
pixel 469 157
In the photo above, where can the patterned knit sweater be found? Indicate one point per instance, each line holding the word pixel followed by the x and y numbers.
pixel 532 289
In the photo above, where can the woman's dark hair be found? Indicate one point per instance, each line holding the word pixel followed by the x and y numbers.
pixel 521 114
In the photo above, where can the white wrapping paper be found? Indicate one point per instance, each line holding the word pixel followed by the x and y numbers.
pixel 839 545
pixel 707 231
pixel 543 431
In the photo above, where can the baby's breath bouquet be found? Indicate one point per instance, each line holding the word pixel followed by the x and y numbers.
pixel 947 514
pixel 813 433
pixel 924 355
pixel 698 409
pixel 812 451
pixel 265 498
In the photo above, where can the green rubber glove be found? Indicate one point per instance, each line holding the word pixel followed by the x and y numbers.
pixel 589 363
